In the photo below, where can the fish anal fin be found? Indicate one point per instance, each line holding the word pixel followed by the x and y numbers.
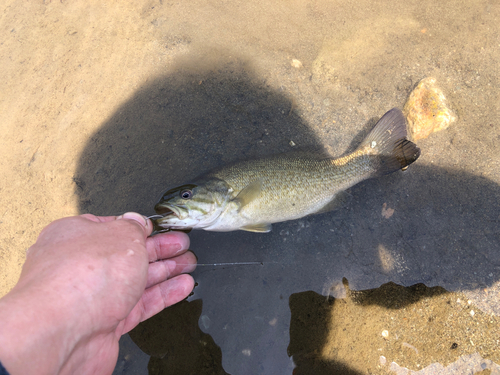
pixel 257 228
pixel 248 194
pixel 340 200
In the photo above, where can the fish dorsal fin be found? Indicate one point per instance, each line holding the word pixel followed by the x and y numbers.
pixel 258 228
pixel 340 200
pixel 248 194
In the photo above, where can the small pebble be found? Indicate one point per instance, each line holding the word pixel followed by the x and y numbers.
pixel 296 63
pixel 385 333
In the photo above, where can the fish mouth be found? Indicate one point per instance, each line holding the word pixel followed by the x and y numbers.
pixel 165 209
pixel 168 217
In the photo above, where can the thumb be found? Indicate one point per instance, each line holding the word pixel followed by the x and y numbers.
pixel 142 220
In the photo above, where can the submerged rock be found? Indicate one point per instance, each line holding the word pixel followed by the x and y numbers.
pixel 426 110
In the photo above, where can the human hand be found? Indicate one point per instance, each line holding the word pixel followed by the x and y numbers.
pixel 86 281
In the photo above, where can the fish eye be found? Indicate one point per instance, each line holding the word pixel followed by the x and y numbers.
pixel 186 194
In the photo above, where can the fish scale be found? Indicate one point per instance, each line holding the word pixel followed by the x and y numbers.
pixel 282 198
pixel 251 195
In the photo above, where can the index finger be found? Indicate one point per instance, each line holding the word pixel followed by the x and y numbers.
pixel 141 219
pixel 166 245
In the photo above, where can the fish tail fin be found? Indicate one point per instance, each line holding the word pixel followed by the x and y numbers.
pixel 388 142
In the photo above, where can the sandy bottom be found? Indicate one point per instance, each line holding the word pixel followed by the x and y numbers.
pixel 105 105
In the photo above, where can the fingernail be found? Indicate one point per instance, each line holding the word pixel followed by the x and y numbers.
pixel 135 216
pixel 189 268
pixel 177 247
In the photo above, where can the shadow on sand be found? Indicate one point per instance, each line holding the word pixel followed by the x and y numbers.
pixel 444 230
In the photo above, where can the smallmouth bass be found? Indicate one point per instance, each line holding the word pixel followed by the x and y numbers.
pixel 251 195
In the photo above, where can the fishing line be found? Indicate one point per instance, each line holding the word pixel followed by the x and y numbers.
pixel 217 264
pixel 228 264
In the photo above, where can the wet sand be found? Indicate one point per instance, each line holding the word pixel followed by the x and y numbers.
pixel 104 106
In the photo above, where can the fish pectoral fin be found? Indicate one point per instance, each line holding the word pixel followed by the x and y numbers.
pixel 258 228
pixel 340 200
pixel 248 194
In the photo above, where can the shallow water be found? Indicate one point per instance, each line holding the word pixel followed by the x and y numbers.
pixel 220 81
pixel 435 224
pixel 321 74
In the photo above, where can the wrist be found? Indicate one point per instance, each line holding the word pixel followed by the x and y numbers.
pixel 35 335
